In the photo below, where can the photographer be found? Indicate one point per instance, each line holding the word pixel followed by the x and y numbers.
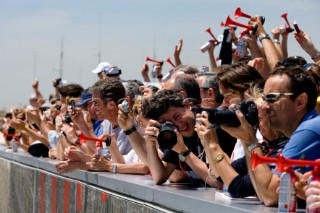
pixel 211 98
pixel 185 161
pixel 235 175
pixel 238 82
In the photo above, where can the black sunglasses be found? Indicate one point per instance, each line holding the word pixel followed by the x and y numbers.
pixel 273 97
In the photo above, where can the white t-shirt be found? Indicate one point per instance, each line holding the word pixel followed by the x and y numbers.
pixel 238 151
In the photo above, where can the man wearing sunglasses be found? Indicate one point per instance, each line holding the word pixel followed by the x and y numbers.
pixel 289 99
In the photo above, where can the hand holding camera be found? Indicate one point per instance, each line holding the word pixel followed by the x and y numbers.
pixel 151 132
pixel 77 118
pixel 245 132
pixel 56 82
pixel 206 135
pixel 125 119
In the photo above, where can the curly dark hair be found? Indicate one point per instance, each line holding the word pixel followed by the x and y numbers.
pixel 109 89
pixel 159 103
pixel 292 61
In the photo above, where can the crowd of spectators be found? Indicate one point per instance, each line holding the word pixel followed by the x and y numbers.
pixel 190 126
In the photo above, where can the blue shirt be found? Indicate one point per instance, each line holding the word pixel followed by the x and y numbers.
pixel 305 140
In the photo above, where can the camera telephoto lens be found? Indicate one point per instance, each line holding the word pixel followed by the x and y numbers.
pixel 229 118
pixel 167 138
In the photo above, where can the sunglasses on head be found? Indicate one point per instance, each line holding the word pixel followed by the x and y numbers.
pixel 273 97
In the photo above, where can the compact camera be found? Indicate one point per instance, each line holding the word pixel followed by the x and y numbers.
pixel 73 106
pixel 228 117
pixel 67 118
pixel 167 138
pixel 125 107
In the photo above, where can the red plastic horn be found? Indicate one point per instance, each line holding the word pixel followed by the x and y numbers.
pixel 285 16
pixel 281 161
pixel 229 22
pixel 215 40
pixel 170 62
pixel 153 60
pixel 84 138
pixel 238 13
pixel 286 19
pixel 230 27
pixel 9 135
pixel 209 31
pixel 258 159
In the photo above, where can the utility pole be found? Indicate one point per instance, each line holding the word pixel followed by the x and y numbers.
pixel 34 65
pixel 154 48
pixel 61 60
pixel 99 40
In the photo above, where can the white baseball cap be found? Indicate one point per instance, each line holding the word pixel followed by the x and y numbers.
pixel 103 66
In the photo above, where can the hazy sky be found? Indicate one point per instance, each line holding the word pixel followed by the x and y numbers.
pixel 31 32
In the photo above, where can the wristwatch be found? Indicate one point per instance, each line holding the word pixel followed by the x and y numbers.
pixel 183 156
pixel 253 146
pixel 264 36
pixel 114 168
pixel 160 76
pixel 219 158
pixel 129 131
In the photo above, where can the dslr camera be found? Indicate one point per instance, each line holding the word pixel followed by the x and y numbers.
pixel 228 117
pixel 167 138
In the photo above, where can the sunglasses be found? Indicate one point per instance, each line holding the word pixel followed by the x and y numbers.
pixel 273 97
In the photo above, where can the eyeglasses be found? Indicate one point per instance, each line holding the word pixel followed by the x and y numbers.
pixel 204 88
pixel 307 67
pixel 292 60
pixel 273 97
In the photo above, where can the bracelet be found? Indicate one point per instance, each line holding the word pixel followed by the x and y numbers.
pixel 315 57
pixel 129 131
pixel 211 175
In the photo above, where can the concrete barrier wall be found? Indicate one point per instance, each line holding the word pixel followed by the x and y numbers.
pixel 29 184
pixel 24 189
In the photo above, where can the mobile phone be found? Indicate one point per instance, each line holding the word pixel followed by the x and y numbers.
pixel 296 27
pixel 73 106
pixel 58 81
